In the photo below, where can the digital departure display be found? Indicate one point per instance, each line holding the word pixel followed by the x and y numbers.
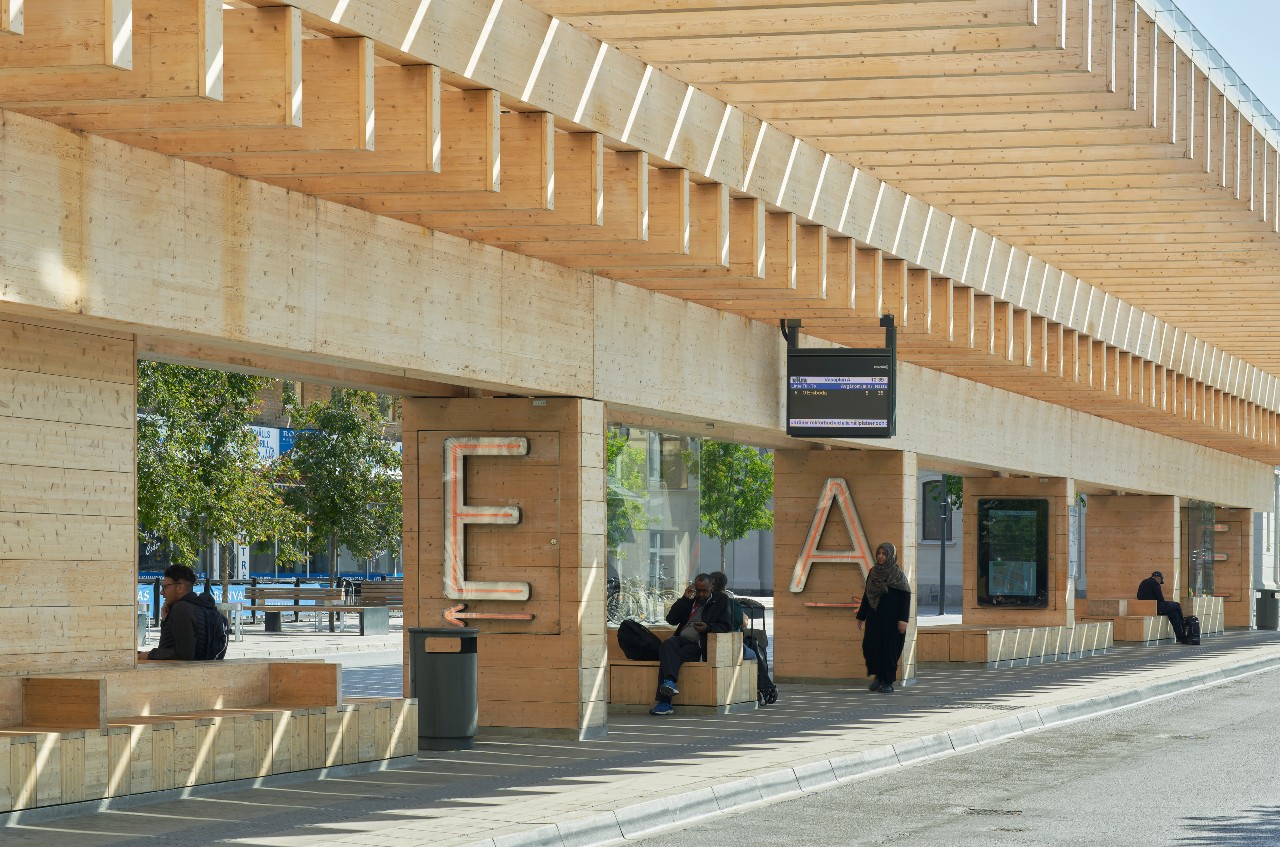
pixel 840 393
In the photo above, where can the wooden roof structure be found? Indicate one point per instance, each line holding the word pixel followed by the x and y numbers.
pixel 1050 195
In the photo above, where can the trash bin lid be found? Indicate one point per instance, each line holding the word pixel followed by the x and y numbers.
pixel 444 632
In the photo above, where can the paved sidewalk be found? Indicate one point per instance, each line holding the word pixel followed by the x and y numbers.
pixel 301 640
pixel 650 773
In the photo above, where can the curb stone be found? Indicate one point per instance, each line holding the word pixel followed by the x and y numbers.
pixel 652 817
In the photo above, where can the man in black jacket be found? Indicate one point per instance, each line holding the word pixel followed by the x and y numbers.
pixel 695 614
pixel 183 631
pixel 1149 589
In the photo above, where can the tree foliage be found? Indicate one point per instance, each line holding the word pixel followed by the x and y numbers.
pixel 199 475
pixel 737 487
pixel 348 477
pixel 627 484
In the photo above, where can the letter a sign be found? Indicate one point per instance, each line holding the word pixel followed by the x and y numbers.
pixel 834 491
pixel 457 514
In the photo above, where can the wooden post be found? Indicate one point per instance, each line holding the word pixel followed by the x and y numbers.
pixel 816 642
pixel 546 672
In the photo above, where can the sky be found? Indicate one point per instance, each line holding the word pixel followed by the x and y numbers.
pixel 1244 33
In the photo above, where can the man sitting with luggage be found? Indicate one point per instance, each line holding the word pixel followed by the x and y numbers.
pixel 695 614
pixel 1149 589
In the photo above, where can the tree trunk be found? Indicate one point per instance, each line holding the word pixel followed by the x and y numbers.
pixel 722 546
pixel 333 568
pixel 226 560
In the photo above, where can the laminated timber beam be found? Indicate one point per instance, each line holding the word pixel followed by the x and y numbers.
pixel 470 155
pixel 621 209
pixel 746 259
pixel 11 17
pixel 255 56
pixel 85 34
pixel 651 111
pixel 336 110
pixel 525 178
pixel 407 138
pixel 760 17
pixel 578 195
pixel 703 241
pixel 764 262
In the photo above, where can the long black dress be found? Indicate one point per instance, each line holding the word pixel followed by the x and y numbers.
pixel 881 642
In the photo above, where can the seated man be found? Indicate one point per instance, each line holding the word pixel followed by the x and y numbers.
pixel 1149 589
pixel 720 585
pixel 695 614
pixel 184 629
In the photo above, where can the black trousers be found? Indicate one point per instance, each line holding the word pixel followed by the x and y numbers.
pixel 1173 611
pixel 673 653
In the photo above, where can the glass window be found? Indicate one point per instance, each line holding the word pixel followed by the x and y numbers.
pixel 1013 553
pixel 931 507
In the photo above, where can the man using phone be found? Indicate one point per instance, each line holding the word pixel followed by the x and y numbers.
pixel 695 614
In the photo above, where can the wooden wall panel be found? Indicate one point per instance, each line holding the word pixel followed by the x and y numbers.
pixel 824 643
pixel 1128 537
pixel 549 673
pixel 1233 575
pixel 68 556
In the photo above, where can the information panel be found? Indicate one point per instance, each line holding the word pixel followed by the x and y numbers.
pixel 841 393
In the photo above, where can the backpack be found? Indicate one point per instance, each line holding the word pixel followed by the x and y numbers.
pixel 638 644
pixel 217 630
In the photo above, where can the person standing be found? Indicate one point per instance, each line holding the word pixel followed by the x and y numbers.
pixel 884 611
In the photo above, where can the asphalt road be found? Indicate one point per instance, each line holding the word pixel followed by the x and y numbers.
pixel 1201 768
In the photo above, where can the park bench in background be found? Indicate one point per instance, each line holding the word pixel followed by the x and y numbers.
pixel 273 600
pixel 389 593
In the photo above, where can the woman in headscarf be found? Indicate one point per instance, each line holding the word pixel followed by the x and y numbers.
pixel 885 610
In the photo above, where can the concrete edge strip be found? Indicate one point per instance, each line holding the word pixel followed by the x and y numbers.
pixel 654 816
pixel 44 814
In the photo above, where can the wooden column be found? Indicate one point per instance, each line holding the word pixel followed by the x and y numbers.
pixel 1232 568
pixel 815 643
pixel 68 535
pixel 546 673
pixel 1061 602
pixel 1128 537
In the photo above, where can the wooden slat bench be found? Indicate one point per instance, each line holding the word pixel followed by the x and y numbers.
pixel 997 646
pixel 273 600
pixel 98 734
pixel 1131 620
pixel 1136 620
pixel 389 594
pixel 723 684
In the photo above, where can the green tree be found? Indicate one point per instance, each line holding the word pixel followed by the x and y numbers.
pixel 348 476
pixel 627 484
pixel 737 485
pixel 200 478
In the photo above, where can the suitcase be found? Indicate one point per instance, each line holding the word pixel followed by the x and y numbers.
pixel 1191 630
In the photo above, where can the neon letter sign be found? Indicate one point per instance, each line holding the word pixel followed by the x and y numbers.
pixel 835 490
pixel 457 514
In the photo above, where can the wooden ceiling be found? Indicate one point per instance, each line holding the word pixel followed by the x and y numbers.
pixel 830 164
pixel 1076 130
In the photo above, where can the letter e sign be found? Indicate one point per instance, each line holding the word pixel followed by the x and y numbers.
pixel 457 514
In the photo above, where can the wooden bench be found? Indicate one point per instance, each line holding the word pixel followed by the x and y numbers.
pixel 1131 620
pixel 1137 621
pixel 273 600
pixel 380 593
pixel 1008 646
pixel 723 684
pixel 80 736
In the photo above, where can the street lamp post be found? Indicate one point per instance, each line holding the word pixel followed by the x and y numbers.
pixel 944 514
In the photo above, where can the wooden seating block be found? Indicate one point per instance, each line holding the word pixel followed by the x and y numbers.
pixel 724 682
pixel 1003 646
pixel 1110 607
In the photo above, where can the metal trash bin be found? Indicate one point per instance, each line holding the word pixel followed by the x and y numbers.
pixel 1268 608
pixel 445 685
